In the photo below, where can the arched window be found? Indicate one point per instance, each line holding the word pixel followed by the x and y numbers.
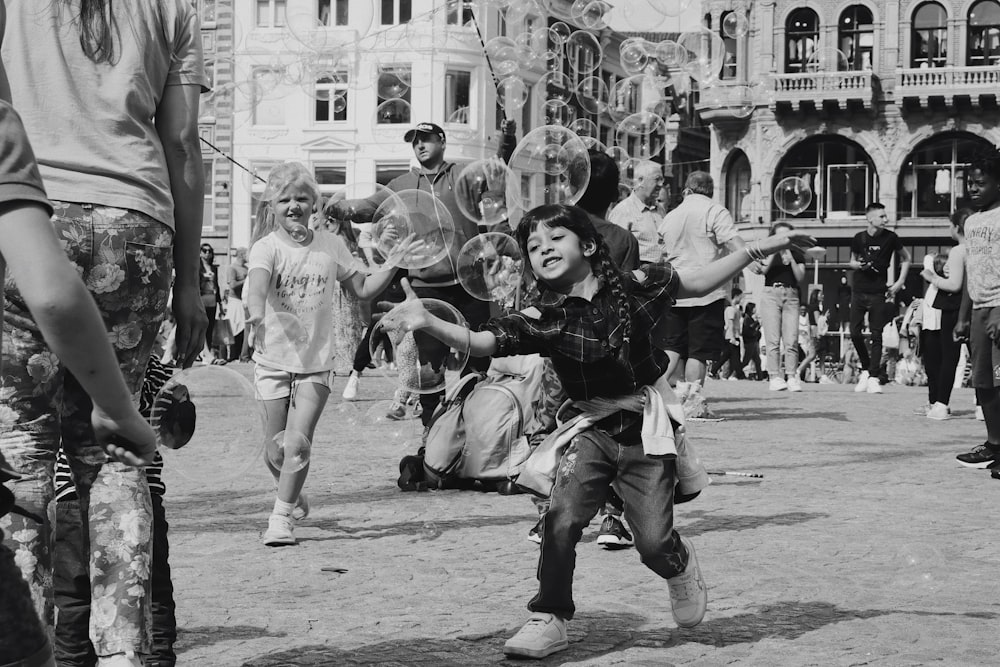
pixel 857 37
pixel 932 182
pixel 984 34
pixel 729 59
pixel 840 173
pixel 929 36
pixel 738 187
pixel 801 38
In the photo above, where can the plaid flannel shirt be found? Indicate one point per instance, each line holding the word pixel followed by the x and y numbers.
pixel 582 338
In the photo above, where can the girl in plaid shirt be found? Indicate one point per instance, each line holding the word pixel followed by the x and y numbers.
pixel 597 326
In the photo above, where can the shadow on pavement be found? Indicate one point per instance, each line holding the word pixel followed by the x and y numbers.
pixel 422 530
pixel 761 414
pixel 207 635
pixel 592 636
pixel 709 523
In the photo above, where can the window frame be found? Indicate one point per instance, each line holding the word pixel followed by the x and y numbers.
pixel 856 32
pixel 273 7
pixel 396 11
pixel 917 38
pixel 798 66
pixel 458 9
pixel 958 169
pixel 208 214
pixel 470 97
pixel 407 95
pixel 986 28
pixel 335 87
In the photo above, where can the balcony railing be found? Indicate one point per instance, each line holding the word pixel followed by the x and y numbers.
pixel 948 83
pixel 816 89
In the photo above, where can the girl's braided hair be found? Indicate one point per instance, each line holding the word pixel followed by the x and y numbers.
pixel 577 220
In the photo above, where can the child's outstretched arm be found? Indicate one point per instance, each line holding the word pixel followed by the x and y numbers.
pixel 71 324
pixel 718 272
pixel 412 316
pixel 368 286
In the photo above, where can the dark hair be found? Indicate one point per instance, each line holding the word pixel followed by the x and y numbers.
pixel 778 225
pixel 959 217
pixel 701 183
pixel 602 190
pixel 98 29
pixel 749 308
pixel 874 206
pixel 576 220
pixel 988 162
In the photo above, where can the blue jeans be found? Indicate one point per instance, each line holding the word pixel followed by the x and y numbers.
pixel 779 316
pixel 592 462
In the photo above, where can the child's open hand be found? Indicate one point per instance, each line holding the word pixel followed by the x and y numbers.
pixel 410 315
pixel 410 251
pixel 128 439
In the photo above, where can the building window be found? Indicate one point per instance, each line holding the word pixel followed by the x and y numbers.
pixel 932 182
pixel 929 36
pixel 268 103
pixel 738 181
pixel 460 12
pixel 456 96
pixel 331 98
pixel 393 93
pixel 984 34
pixel 206 10
pixel 396 11
pixel 271 13
pixel 857 37
pixel 208 215
pixel 840 174
pixel 386 172
pixel 333 12
pixel 330 178
pixel 801 38
pixel 729 54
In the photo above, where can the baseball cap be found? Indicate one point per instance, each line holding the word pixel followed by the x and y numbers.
pixel 423 128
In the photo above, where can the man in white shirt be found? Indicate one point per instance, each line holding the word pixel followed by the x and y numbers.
pixel 695 234
pixel 638 212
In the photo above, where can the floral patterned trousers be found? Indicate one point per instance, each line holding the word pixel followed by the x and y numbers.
pixel 125 258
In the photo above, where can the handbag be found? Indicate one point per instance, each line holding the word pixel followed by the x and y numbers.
pixel 222 335
pixel 947 300
pixel 890 336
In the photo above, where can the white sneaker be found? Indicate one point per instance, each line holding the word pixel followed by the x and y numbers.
pixel 279 531
pixel 688 594
pixel 979 413
pixel 862 382
pixel 794 384
pixel 542 635
pixel 351 390
pixel 777 384
pixel 938 412
pixel 874 386
pixel 119 660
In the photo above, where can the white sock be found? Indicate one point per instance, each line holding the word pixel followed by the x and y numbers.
pixel 283 508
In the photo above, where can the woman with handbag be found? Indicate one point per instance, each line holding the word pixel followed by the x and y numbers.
pixel 939 349
pixel 211 299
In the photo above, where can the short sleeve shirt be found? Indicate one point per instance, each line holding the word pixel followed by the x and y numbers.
pixel 695 235
pixel 19 179
pixel 643 221
pixel 298 311
pixel 982 258
pixel 91 124
pixel 878 250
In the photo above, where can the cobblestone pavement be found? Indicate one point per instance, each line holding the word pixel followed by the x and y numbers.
pixel 864 544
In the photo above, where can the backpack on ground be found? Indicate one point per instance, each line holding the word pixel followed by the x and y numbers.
pixel 480 432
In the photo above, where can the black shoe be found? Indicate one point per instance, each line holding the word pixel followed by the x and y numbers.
pixel 981 457
pixel 995 474
pixel 535 534
pixel 614 535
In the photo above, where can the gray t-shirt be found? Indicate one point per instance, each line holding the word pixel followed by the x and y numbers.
pixel 91 124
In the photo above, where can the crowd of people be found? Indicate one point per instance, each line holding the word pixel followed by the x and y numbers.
pixel 630 305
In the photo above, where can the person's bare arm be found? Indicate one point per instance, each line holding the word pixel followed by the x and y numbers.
pixel 412 316
pixel 72 327
pixel 903 255
pixel 177 128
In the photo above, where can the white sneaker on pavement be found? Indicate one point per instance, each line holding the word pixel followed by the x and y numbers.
pixel 543 635
pixel 688 594
pixel 938 412
pixel 777 384
pixel 874 386
pixel 794 383
pixel 351 389
pixel 279 531
pixel 862 382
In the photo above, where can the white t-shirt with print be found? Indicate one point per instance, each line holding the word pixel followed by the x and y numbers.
pixel 302 283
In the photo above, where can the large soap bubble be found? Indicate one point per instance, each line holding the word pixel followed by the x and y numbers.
pixel 183 414
pixel 415 213
pixel 735 25
pixel 584 52
pixel 828 60
pixel 281 335
pixel 792 195
pixel 557 86
pixel 554 166
pixel 512 93
pixel 484 190
pixel 491 266
pixel 669 8
pixel 643 132
pixel 425 365
pixel 706 53
pixel 634 94
pixel 592 94
pixel 634 55
pixel 288 451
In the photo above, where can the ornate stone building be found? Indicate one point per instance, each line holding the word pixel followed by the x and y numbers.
pixel 865 101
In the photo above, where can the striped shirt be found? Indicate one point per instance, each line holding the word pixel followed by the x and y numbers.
pixel 156 376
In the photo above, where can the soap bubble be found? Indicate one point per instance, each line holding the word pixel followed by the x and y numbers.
pixel 475 198
pixel 557 86
pixel 420 214
pixel 553 165
pixel 306 30
pixel 424 364
pixel 512 93
pixel 792 195
pixel 392 83
pixel 490 267
pixel 828 60
pixel 634 94
pixel 643 132
pixel 634 55
pixel 585 128
pixel 579 44
pixel 592 94
pixel 281 335
pixel 706 54
pixel 739 100
pixel 559 33
pixel 671 54
pixel 590 13
pixel 289 451
pixel 207 395
pixel 918 567
pixel 557 112
pixel 395 111
pixel 735 25
pixel 670 8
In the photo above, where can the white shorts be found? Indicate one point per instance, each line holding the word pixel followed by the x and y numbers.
pixel 272 384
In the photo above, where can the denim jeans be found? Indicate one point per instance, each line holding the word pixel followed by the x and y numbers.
pixel 72 590
pixel 125 259
pixel 592 462
pixel 779 317
pixel 874 305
